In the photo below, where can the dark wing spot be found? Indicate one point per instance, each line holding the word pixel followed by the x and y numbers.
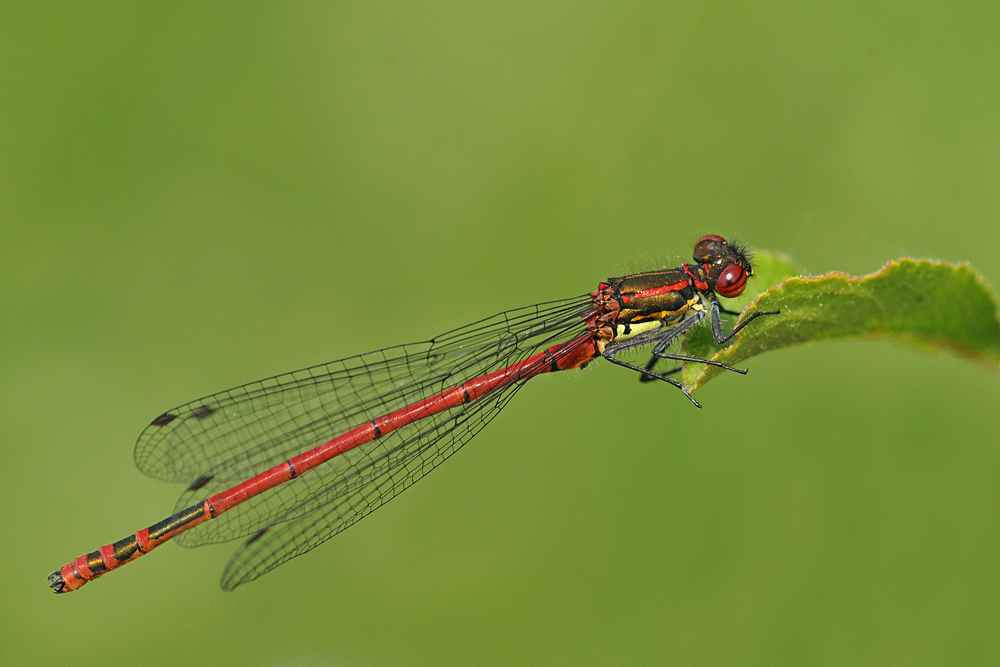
pixel 256 537
pixel 164 419
pixel 200 482
pixel 202 412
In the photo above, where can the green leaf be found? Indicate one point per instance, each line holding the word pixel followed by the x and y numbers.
pixel 928 304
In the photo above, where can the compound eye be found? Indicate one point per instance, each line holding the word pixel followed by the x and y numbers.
pixel 732 281
pixel 708 248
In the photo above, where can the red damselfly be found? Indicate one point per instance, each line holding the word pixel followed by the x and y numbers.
pixel 291 461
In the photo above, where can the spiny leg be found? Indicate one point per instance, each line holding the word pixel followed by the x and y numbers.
pixel 717 325
pixel 658 351
pixel 681 357
pixel 661 339
pixel 649 367
pixel 650 373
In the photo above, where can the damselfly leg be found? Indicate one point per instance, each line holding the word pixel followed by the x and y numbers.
pixel 659 350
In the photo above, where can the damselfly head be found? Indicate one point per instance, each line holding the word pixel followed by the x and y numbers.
pixel 729 265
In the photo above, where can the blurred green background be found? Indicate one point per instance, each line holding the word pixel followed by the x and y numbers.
pixel 198 195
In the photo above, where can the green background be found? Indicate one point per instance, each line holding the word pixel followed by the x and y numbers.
pixel 199 195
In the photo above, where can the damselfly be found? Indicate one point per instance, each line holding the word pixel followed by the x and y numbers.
pixel 291 461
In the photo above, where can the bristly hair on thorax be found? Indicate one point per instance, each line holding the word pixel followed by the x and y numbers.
pixel 744 256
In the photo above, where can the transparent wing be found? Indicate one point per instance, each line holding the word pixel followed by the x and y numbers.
pixel 221 440
pixel 413 452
